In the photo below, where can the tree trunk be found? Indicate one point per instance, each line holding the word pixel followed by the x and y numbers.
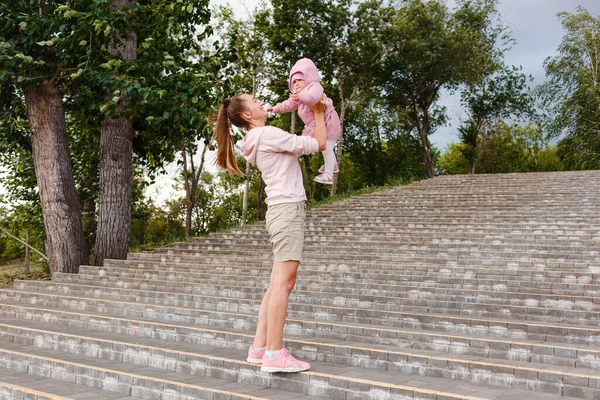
pixel 188 193
pixel 426 155
pixel 114 205
pixel 424 132
pixel 116 166
pixel 191 187
pixel 61 210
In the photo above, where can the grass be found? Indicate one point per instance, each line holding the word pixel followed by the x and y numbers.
pixel 15 269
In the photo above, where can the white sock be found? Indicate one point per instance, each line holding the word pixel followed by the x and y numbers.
pixel 258 348
pixel 272 353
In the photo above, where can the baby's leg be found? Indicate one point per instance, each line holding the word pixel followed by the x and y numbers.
pixel 329 157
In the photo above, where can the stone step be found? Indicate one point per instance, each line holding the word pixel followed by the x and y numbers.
pixel 449 236
pixel 367 270
pixel 459 211
pixel 388 365
pixel 310 281
pixel 564 298
pixel 308 277
pixel 333 252
pixel 181 370
pixel 588 283
pixel 454 287
pixel 430 230
pixel 341 244
pixel 320 325
pixel 339 288
pixel 99 289
pixel 23 385
pixel 178 380
pixel 519 350
pixel 460 299
pixel 345 261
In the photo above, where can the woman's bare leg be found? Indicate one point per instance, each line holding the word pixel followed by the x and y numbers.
pixel 283 280
pixel 260 338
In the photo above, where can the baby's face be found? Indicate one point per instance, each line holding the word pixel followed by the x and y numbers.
pixel 298 85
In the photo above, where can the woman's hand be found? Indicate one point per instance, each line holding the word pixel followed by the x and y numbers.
pixel 320 133
pixel 319 108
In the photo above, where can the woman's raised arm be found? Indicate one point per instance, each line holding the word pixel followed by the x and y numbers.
pixel 320 134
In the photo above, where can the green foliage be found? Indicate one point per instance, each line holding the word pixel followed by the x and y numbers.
pixel 571 96
pixel 453 160
pixel 172 85
pixel 580 152
pixel 378 149
pixel 507 148
pixel 504 93
pixel 427 48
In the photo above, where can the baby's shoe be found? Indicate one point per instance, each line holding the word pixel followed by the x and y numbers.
pixel 336 169
pixel 255 356
pixel 324 178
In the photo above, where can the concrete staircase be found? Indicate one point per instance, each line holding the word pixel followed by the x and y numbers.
pixel 453 288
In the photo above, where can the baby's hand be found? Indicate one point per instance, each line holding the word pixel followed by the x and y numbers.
pixel 294 97
pixel 270 109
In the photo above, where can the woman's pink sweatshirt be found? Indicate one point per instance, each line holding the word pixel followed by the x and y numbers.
pixel 275 152
pixel 309 96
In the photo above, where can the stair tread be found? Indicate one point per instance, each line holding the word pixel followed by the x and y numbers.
pixel 360 347
pixel 342 372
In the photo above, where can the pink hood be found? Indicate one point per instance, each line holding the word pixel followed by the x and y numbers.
pixel 308 68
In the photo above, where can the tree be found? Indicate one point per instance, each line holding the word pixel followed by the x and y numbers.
pixel 191 178
pixel 502 94
pixel 427 48
pixel 571 95
pixel 156 94
pixel 453 160
pixel 469 135
pixel 30 39
pixel 507 148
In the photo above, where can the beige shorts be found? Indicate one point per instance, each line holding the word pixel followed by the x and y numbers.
pixel 285 223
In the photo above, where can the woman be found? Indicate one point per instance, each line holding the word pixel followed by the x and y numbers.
pixel 275 153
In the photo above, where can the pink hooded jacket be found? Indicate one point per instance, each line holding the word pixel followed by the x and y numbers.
pixel 310 95
pixel 275 153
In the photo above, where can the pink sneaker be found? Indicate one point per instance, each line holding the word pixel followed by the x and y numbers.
pixel 284 362
pixel 336 168
pixel 324 179
pixel 255 356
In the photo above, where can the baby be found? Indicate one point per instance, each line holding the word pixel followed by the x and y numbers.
pixel 307 91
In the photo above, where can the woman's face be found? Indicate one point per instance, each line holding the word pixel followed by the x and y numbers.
pixel 254 108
